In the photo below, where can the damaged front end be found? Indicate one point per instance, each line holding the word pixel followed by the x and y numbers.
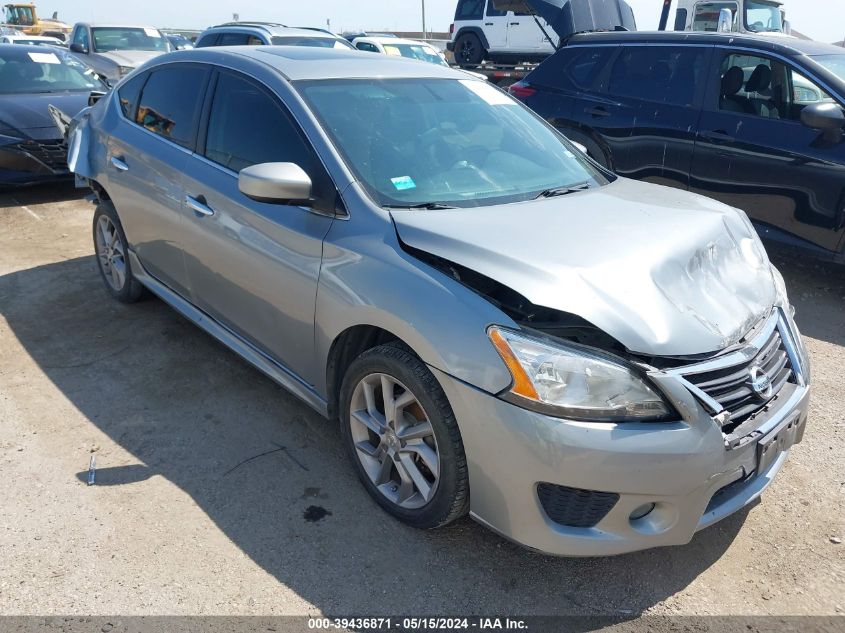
pixel 617 326
pixel 27 158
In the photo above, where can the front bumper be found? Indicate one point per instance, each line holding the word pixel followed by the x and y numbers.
pixel 31 161
pixel 685 469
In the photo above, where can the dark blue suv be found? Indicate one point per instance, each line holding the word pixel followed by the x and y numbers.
pixel 753 121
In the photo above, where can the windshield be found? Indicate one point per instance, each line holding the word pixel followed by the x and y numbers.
pixel 763 17
pixel 415 51
pixel 20 15
pixel 454 142
pixel 833 63
pixel 121 38
pixel 320 42
pixel 28 72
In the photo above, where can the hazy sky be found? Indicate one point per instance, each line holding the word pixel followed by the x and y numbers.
pixel 821 19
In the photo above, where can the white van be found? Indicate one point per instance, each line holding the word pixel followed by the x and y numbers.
pixel 483 32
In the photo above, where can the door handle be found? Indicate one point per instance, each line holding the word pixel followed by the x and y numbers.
pixel 488 24
pixel 598 111
pixel 119 164
pixel 198 205
pixel 515 23
pixel 718 136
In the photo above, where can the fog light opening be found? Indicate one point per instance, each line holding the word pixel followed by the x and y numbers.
pixel 642 511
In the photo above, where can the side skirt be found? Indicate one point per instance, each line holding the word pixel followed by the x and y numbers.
pixel 277 372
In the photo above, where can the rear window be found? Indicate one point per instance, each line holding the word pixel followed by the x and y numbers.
pixel 469 10
pixel 661 74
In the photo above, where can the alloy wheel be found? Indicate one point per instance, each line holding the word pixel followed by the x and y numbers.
pixel 394 441
pixel 111 253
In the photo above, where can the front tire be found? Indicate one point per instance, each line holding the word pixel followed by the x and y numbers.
pixel 403 438
pixel 112 253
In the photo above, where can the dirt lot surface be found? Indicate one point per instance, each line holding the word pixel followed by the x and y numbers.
pixel 180 522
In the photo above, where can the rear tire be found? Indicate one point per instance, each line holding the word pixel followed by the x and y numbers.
pixel 469 51
pixel 405 446
pixel 112 252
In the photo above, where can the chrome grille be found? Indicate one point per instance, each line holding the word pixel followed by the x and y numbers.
pixel 733 386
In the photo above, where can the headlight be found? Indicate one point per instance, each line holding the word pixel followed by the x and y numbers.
pixel 574 382
pixel 125 70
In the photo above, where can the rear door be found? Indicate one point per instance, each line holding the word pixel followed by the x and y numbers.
pixel 649 116
pixel 147 152
pixel 254 266
pixel 754 153
pixel 523 33
pixel 495 27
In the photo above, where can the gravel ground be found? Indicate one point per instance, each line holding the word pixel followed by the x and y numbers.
pixel 181 523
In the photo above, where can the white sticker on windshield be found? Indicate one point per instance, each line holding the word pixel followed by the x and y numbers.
pixel 44 58
pixel 491 95
pixel 152 33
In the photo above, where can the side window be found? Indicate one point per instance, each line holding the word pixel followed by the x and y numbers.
pixel 208 40
pixel 267 134
pixel 233 39
pixel 706 17
pixel 756 86
pixel 128 95
pixel 170 102
pixel 366 46
pixel 81 37
pixel 681 20
pixel 661 74
pixel 493 12
pixel 254 41
pixel 573 67
pixel 469 10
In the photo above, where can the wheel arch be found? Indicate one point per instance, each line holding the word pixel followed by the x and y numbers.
pixel 478 32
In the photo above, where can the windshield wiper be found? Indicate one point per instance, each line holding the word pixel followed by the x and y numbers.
pixel 429 206
pixel 562 191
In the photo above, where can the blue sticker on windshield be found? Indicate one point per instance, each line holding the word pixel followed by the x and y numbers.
pixel 403 182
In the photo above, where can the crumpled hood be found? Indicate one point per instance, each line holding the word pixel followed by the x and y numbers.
pixel 132 59
pixel 28 116
pixel 665 272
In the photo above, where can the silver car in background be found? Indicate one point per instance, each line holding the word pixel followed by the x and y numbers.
pixel 115 50
pixel 585 364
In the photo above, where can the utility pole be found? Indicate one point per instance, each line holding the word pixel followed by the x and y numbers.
pixel 423 20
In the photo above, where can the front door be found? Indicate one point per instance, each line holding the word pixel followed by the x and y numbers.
pixel 495 27
pixel 254 266
pixel 754 153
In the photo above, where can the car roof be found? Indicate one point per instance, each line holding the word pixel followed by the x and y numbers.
pixel 272 29
pixel 21 49
pixel 31 38
pixel 389 40
pixel 97 25
pixel 307 62
pixel 782 44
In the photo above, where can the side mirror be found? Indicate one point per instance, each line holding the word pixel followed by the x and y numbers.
pixel 828 118
pixel 79 48
pixel 726 21
pixel 279 183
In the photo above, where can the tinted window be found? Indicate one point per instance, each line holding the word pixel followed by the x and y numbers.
pixel 81 37
pixel 574 67
pixel 662 74
pixel 170 102
pixel 246 127
pixel 366 46
pixel 233 39
pixel 128 95
pixel 469 10
pixel 208 40
pixel 681 20
pixel 493 11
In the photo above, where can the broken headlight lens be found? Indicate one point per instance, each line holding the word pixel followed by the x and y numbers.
pixel 125 70
pixel 575 383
